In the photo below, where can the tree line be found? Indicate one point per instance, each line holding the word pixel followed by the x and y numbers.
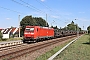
pixel 38 21
pixel 72 26
pixel 88 28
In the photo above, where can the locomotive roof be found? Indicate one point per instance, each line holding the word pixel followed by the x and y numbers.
pixel 40 27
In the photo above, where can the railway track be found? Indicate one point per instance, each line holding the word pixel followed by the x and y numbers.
pixel 11 47
pixel 25 49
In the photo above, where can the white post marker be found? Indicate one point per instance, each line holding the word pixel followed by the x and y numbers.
pixel 19 25
pixel 53 56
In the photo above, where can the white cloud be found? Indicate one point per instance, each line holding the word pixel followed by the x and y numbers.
pixel 42 0
pixel 81 12
pixel 8 18
pixel 83 19
pixel 55 16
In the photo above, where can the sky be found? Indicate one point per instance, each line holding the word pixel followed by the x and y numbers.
pixel 59 12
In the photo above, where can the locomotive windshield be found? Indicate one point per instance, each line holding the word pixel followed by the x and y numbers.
pixel 29 29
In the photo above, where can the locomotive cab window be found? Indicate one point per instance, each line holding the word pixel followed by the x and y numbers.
pixel 27 29
pixel 37 29
pixel 30 29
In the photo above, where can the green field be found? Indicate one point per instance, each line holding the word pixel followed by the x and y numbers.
pixel 79 50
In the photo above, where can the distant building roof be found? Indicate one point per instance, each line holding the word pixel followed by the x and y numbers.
pixel 1 29
pixel 10 30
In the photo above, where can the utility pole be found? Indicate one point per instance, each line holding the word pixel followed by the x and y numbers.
pixel 52 23
pixel 77 29
pixel 83 28
pixel 46 20
pixel 19 24
pixel 66 25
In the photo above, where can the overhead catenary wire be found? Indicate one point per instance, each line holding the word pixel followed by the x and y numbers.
pixel 11 10
pixel 33 8
pixel 29 6
pixel 45 5
pixel 25 4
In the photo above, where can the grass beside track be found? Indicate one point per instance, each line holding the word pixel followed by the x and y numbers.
pixel 80 50
pixel 50 53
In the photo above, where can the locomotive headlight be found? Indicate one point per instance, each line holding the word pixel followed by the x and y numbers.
pixel 26 33
pixel 32 33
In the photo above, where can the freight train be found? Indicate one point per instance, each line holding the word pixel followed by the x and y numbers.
pixel 38 33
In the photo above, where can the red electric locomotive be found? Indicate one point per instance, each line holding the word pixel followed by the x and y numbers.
pixel 35 33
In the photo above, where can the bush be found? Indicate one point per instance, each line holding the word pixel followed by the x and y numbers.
pixel 1 35
pixel 89 39
pixel 4 39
